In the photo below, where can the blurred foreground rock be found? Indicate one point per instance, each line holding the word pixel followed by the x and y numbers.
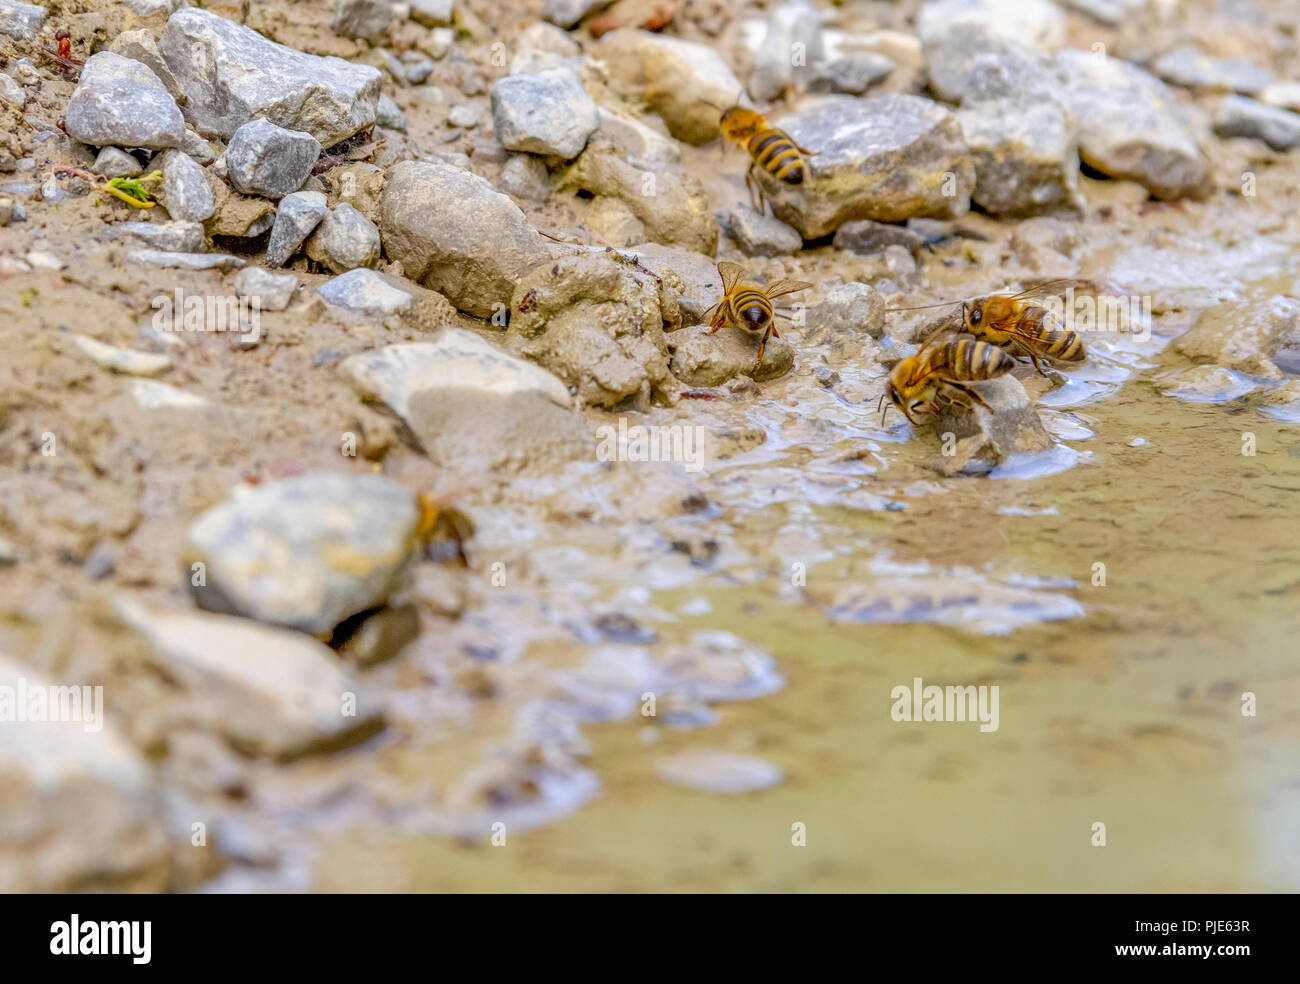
pixel 306 552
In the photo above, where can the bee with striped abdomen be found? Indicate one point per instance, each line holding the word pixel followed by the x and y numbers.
pixel 748 305
pixel 1022 326
pixel 770 148
pixel 938 377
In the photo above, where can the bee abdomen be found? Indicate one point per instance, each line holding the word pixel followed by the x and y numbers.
pixel 752 308
pixel 1065 345
pixel 971 359
pixel 777 154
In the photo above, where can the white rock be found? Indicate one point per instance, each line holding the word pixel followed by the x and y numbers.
pixel 270 691
pixel 122 360
pixel 152 396
pixel 79 806
pixel 719 772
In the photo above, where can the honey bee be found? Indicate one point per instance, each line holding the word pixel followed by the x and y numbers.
pixel 938 377
pixel 1021 326
pixel 748 305
pixel 770 148
pixel 443 530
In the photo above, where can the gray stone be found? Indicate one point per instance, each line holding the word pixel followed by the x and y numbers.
pixel 525 176
pixel 344 240
pixel 432 13
pixel 12 92
pixel 198 148
pixel 298 215
pixel 113 162
pixel 684 82
pixel 758 234
pixel 232 74
pixel 1026 156
pixel 887 157
pixel 185 261
pixel 794 23
pixel 171 237
pixel 951 48
pixel 848 310
pixel 1187 66
pixel 1237 116
pixel 1130 126
pixel 418 71
pixel 21 21
pixel 1037 24
pixel 641 145
pixel 389 115
pixel 530 62
pixel 185 190
pixel 140 45
pixel 454 233
pixel 306 552
pixel 471 406
pixel 549 38
pixel 464 116
pixel 853 73
pixel 273 291
pixel 268 160
pixel 598 324
pixel 693 277
pixel 566 13
pixel 269 691
pixel 701 358
pixel 547 113
pixel 678 212
pixel 1011 427
pixel 147 8
pixel 365 292
pixel 121 102
pixel 866 237
pixel 364 20
pixel 80 808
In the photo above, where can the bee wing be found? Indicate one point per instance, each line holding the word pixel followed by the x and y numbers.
pixel 1050 287
pixel 779 287
pixel 730 273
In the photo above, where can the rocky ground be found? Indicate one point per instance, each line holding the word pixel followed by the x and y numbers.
pixel 476 234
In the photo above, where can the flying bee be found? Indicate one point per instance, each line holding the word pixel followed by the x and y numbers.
pixel 1022 326
pixel 938 377
pixel 770 148
pixel 748 305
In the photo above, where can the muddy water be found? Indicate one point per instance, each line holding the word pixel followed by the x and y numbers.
pixel 1120 703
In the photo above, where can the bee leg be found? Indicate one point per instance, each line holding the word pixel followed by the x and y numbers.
pixel 973 395
pixel 762 344
pixel 1033 357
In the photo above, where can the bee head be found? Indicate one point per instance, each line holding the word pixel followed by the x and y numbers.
pixel 740 123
